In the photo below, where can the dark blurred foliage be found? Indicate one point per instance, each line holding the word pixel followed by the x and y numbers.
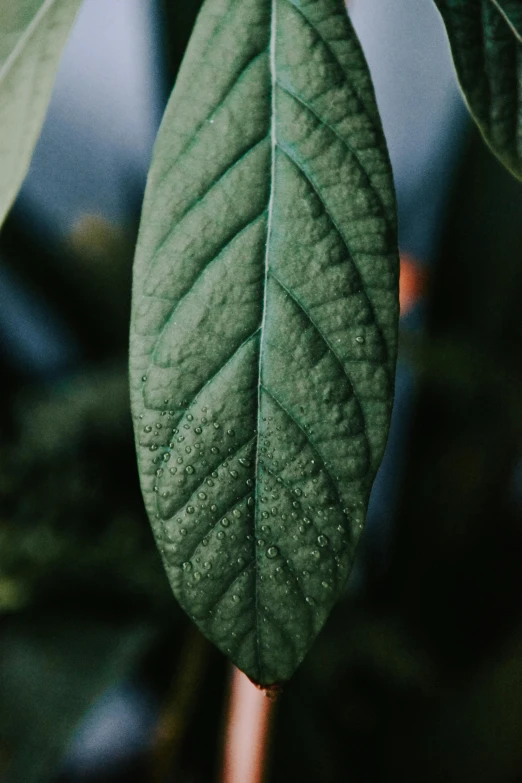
pixel 417 675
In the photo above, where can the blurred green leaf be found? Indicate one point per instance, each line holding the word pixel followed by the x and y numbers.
pixel 32 36
pixel 52 668
pixel 264 328
pixel 512 10
pixel 487 53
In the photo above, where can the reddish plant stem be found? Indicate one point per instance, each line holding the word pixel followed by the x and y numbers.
pixel 247 730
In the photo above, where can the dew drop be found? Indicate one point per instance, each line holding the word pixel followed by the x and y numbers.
pixel 202 496
pixel 148 428
pixel 190 509
pixel 187 566
pixel 272 552
pixel 235 598
pixel 166 456
pixel 225 522
pixel 189 469
pixel 322 540
pixel 359 339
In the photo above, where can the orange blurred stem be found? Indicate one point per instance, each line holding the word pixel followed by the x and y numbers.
pixel 247 731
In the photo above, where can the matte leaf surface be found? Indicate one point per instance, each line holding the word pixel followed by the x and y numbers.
pixel 485 38
pixel 32 36
pixel 264 326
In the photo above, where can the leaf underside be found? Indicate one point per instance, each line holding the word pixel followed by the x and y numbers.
pixel 486 42
pixel 263 338
pixel 32 36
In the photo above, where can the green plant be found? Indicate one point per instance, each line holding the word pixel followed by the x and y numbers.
pixel 263 336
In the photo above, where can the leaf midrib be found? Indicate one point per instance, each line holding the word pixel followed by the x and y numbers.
pixel 505 16
pixel 26 35
pixel 273 139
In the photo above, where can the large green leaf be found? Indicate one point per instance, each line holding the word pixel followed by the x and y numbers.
pixel 487 50
pixel 32 36
pixel 264 324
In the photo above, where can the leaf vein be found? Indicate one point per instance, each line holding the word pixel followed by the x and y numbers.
pixel 201 486
pixel 195 136
pixel 236 162
pixel 334 223
pixel 229 587
pixel 309 441
pixel 326 341
pixel 214 526
pixel 354 152
pixel 215 373
pixel 202 271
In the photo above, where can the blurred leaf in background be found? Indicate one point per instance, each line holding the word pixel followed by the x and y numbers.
pixel 32 36
pixel 52 668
